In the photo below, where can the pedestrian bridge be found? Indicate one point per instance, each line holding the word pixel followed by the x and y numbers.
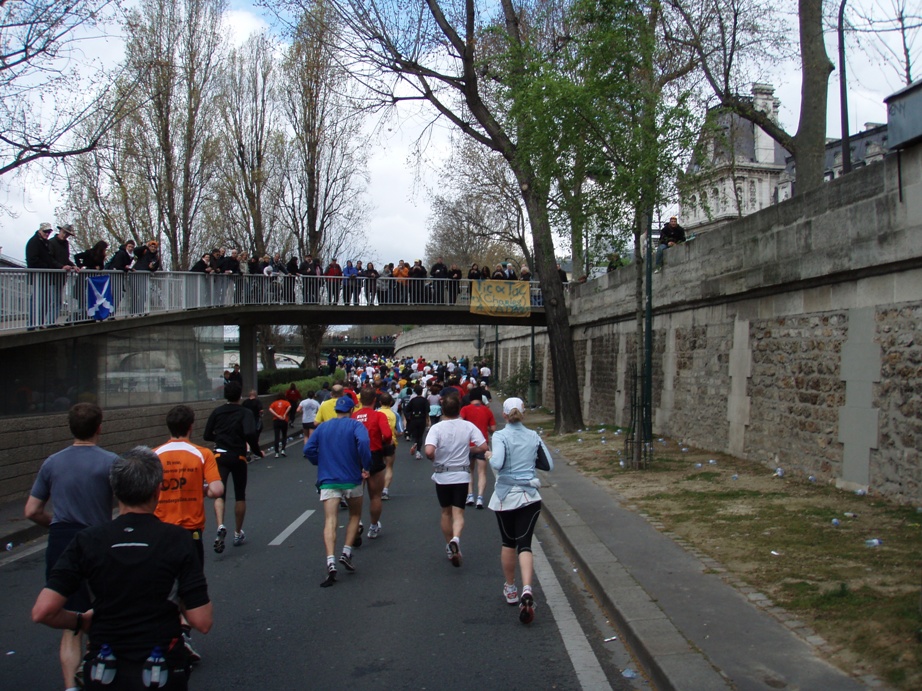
pixel 39 306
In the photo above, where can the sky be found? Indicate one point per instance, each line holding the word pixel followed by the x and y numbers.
pixel 399 193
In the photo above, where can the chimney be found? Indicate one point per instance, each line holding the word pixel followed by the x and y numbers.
pixel 763 100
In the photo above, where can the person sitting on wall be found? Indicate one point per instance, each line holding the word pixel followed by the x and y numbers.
pixel 671 235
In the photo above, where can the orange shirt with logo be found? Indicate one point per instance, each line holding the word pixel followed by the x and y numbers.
pixel 187 468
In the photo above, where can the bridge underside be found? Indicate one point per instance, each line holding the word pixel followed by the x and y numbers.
pixel 254 315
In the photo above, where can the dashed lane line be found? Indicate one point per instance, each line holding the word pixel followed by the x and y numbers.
pixel 285 534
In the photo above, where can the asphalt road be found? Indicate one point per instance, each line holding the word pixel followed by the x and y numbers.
pixel 406 619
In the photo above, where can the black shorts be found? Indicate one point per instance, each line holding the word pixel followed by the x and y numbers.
pixel 517 526
pixel 377 462
pixel 308 425
pixel 389 450
pixel 235 466
pixel 451 495
pixel 478 456
pixel 59 537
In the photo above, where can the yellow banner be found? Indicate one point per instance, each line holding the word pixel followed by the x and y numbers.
pixel 501 298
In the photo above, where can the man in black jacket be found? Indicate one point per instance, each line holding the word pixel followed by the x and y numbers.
pixel 46 287
pixel 439 271
pixel 232 429
pixel 671 235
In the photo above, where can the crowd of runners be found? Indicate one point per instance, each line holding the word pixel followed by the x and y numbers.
pixel 136 584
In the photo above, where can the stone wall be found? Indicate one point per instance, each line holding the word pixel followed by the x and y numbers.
pixel 790 337
pixel 28 441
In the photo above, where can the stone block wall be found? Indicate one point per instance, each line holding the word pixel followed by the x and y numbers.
pixel 28 441
pixel 792 337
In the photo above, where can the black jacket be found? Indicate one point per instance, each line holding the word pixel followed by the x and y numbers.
pixel 231 427
pixel 60 251
pixel 38 254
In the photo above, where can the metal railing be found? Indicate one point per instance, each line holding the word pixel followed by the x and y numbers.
pixel 45 298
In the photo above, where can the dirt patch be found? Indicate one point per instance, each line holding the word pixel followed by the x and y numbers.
pixel 800 541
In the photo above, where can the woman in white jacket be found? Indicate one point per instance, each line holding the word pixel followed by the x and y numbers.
pixel 517 502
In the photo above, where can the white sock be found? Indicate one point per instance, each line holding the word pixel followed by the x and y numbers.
pixel 347 551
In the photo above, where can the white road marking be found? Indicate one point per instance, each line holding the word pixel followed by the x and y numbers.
pixel 18 554
pixel 285 534
pixel 588 670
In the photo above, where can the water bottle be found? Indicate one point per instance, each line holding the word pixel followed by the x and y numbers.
pixel 103 668
pixel 155 671
pixel 873 542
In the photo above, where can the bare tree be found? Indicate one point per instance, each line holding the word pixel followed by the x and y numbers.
pixel 324 171
pixel 460 232
pixel 249 164
pixel 175 48
pixel 894 31
pixel 439 53
pixel 729 35
pixel 45 112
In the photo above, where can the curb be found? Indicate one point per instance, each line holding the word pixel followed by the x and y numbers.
pixel 672 663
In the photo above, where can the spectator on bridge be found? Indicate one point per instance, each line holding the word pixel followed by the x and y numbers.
pixel 371 283
pixel 341 450
pixel 474 273
pixel 509 270
pixel 671 234
pixel 148 257
pixel 76 481
pixel 93 258
pixel 516 501
pixel 454 283
pixel 439 272
pixel 60 248
pixel 350 283
pixel 402 275
pixel 334 274
pixel 418 287
pixel 203 265
pixel 137 597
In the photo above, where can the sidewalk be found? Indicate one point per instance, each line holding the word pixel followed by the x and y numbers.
pixel 691 630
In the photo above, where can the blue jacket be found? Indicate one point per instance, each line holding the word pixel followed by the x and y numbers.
pixel 515 450
pixel 340 449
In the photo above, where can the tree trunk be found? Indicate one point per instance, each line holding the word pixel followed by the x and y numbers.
pixel 568 414
pixel 311 339
pixel 810 140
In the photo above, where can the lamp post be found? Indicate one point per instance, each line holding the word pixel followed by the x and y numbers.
pixel 843 95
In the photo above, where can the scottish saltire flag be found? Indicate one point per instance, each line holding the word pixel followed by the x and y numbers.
pixel 99 297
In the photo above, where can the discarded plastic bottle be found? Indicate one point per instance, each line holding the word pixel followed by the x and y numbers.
pixel 155 672
pixel 697 465
pixel 9 546
pixel 779 472
pixel 873 542
pixel 835 522
pixel 812 478
pixel 103 668
pixel 860 492
pixel 849 514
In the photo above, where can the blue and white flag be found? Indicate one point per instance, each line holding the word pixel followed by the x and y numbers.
pixel 99 297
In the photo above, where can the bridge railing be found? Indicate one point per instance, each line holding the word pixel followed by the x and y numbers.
pixel 45 298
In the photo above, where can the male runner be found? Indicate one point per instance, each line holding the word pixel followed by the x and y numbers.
pixel 187 469
pixel 482 417
pixel 76 480
pixel 231 427
pixel 380 436
pixel 341 450
pixel 449 445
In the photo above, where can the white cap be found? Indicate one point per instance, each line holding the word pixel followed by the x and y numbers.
pixel 513 403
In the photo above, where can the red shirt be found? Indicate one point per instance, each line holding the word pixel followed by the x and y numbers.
pixel 280 407
pixel 481 416
pixel 379 429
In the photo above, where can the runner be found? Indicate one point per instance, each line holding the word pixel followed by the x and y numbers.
pixel 76 481
pixel 390 451
pixel 280 409
pixel 481 415
pixel 232 429
pixel 449 445
pixel 516 501
pixel 341 450
pixel 416 411
pixel 186 469
pixel 308 409
pixel 380 436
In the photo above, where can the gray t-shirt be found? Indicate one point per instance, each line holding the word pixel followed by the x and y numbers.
pixel 77 482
